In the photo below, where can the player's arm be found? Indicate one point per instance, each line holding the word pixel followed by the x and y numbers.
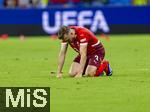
pixel 83 53
pixel 61 58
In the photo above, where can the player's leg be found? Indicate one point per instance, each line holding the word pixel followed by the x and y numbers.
pixel 93 65
pixel 90 71
pixel 104 67
pixel 100 69
pixel 97 66
pixel 108 69
pixel 74 66
pixel 73 69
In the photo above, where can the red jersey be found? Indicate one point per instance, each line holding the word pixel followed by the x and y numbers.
pixel 85 36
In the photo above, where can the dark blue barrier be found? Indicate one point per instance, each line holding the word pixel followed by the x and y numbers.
pixel 47 21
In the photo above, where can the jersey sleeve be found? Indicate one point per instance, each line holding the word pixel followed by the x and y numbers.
pixel 83 38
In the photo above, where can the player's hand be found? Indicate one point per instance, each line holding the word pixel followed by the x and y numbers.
pixel 59 75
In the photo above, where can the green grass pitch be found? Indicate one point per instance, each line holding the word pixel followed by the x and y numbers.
pixel 29 63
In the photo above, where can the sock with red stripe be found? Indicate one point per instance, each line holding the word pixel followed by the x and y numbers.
pixel 100 70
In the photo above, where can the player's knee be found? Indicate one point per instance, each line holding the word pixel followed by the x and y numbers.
pixel 90 73
pixel 72 73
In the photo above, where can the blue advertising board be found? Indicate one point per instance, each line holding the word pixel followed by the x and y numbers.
pixel 97 19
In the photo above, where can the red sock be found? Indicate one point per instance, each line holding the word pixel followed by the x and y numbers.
pixel 100 69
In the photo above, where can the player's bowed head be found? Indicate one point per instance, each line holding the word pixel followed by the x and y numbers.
pixel 66 34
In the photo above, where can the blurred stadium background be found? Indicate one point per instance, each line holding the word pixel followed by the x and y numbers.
pixel 29 49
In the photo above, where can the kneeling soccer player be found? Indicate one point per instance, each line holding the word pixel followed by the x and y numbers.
pixel 90 60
